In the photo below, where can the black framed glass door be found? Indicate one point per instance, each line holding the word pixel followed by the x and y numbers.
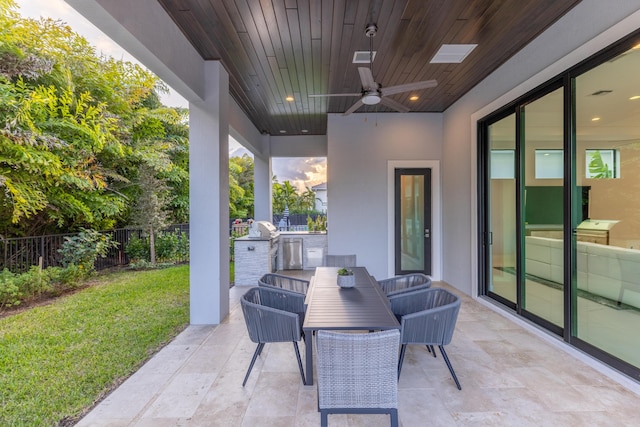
pixel 412 221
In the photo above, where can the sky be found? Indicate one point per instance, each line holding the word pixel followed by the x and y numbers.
pixel 300 172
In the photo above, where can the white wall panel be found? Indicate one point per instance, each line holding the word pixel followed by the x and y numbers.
pixel 359 148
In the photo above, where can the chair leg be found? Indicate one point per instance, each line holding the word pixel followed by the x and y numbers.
pixel 394 417
pixel 432 350
pixel 253 360
pixel 446 359
pixel 295 347
pixel 401 359
pixel 323 418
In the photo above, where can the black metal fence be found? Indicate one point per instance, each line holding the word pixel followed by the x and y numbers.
pixel 20 253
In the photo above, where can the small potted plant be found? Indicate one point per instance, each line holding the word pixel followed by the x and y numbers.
pixel 346 279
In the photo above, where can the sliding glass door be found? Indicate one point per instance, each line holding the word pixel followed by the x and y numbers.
pixel 607 238
pixel 560 195
pixel 542 214
pixel 502 209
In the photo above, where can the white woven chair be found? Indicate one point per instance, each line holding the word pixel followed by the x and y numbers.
pixel 406 283
pixel 339 260
pixel 357 373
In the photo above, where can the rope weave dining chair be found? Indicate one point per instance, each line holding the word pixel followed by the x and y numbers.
pixel 406 283
pixel 427 317
pixel 272 315
pixel 339 260
pixel 294 284
pixel 357 373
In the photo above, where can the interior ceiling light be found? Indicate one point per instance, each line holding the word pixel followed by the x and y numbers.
pixel 305 131
pixel 452 53
pixel 636 47
pixel 633 98
pixel 601 92
pixel 595 119
pixel 289 98
pixel 414 98
pixel 283 131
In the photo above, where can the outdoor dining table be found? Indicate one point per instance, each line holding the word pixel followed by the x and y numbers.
pixel 328 306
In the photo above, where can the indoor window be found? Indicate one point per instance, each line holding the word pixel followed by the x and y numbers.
pixel 549 164
pixel 602 164
pixel 502 164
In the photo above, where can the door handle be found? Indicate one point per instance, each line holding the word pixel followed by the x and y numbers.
pixel 427 233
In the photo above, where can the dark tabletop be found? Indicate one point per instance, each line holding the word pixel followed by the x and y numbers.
pixel 365 306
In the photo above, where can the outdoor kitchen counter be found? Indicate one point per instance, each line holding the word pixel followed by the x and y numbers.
pixel 313 246
pixel 254 257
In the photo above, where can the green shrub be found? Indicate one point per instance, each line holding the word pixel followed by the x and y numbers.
pixel 170 247
pixel 64 278
pixel 33 283
pixel 84 248
pixel 166 246
pixel 10 294
pixel 16 289
pixel 137 249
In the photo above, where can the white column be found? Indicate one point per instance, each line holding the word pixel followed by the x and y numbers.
pixel 262 201
pixel 209 199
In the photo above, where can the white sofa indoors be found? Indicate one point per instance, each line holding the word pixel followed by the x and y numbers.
pixel 607 271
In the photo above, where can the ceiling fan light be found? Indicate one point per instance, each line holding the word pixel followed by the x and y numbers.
pixel 371 99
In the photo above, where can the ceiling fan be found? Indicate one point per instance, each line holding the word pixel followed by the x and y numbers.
pixel 373 93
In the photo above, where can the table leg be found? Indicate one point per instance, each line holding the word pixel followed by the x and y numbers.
pixel 308 354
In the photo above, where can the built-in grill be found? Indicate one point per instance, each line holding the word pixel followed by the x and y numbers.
pixel 256 253
pixel 262 230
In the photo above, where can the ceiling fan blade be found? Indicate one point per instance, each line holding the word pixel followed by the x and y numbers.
pixel 335 94
pixel 395 105
pixel 408 87
pixel 353 108
pixel 367 79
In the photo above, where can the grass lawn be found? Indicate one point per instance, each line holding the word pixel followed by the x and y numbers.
pixel 57 360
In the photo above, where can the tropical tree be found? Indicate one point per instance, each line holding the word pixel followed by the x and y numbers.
pixel 308 200
pixel 149 212
pixel 75 128
pixel 284 195
pixel 241 187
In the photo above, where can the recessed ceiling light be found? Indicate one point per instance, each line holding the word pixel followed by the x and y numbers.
pixel 633 98
pixel 452 53
pixel 304 131
pixel 595 119
pixel 289 98
pixel 283 131
pixel 414 98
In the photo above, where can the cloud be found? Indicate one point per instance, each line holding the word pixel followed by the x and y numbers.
pixel 300 172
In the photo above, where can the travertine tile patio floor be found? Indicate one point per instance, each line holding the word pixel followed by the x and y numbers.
pixel 510 377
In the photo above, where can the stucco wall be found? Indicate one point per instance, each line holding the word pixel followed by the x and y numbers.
pixel 359 147
pixel 588 28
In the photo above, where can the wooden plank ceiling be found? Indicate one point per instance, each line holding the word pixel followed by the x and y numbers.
pixel 278 48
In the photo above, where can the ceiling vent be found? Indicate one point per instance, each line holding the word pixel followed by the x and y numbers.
pixel 452 53
pixel 362 57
